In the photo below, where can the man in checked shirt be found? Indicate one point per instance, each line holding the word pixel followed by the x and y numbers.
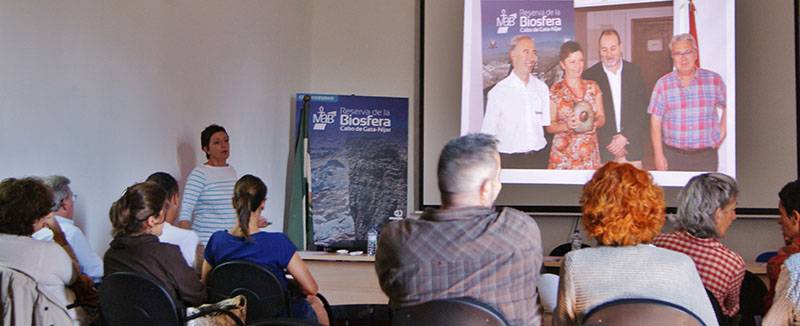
pixel 466 248
pixel 684 125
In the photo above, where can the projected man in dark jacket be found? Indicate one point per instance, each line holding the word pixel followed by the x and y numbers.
pixel 466 248
pixel 625 132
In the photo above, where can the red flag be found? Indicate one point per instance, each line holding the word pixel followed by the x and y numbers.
pixel 693 29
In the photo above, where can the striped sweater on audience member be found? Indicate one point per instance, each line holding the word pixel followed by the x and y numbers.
pixel 207 200
pixel 721 269
pixel 593 276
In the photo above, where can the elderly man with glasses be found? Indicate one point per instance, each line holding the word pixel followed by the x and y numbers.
pixel 685 127
pixel 64 210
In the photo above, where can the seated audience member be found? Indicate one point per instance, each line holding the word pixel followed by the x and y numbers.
pixel 25 207
pixel 706 210
pixel 785 308
pixel 466 248
pixel 623 210
pixel 185 239
pixel 789 208
pixel 273 250
pixel 89 261
pixel 137 219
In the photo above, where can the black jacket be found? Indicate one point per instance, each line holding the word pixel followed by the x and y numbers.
pixel 145 255
pixel 635 99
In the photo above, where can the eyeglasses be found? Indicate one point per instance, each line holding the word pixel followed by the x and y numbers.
pixel 683 53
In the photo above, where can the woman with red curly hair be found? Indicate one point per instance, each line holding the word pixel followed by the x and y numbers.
pixel 623 210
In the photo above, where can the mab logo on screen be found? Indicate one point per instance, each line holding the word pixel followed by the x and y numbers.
pixel 504 21
pixel 322 119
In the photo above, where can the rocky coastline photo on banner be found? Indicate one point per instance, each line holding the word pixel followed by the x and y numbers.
pixel 358 149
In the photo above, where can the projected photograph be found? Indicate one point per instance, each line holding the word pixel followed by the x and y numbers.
pixel 569 85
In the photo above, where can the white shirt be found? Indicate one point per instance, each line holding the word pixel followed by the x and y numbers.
pixel 615 83
pixel 516 114
pixel 90 262
pixel 187 240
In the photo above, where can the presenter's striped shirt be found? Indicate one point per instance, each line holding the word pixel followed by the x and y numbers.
pixel 208 200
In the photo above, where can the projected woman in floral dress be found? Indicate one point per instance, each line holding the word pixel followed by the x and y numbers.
pixel 576 109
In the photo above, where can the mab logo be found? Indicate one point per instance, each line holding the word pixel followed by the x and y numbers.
pixel 505 21
pixel 322 119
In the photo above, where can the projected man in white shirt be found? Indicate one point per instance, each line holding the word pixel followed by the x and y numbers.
pixel 517 110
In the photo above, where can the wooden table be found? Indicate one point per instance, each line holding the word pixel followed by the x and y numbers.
pixel 345 279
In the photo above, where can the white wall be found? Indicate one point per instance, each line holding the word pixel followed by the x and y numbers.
pixel 367 47
pixel 106 92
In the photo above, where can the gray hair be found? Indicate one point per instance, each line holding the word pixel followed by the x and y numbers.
pixel 681 38
pixel 699 201
pixel 465 162
pixel 60 186
pixel 516 39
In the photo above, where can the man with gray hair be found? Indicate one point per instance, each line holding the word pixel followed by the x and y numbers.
pixel 685 127
pixel 64 210
pixel 517 110
pixel 466 248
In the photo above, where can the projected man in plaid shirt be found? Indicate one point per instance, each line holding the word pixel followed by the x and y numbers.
pixel 685 127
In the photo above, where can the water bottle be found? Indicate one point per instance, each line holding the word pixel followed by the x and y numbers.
pixel 577 243
pixel 372 241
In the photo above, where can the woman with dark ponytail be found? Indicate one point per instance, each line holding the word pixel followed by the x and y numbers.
pixel 137 219
pixel 273 250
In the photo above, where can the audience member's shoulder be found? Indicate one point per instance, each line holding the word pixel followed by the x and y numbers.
pixel 169 248
pixel 793 262
pixel 218 235
pixel 514 213
pixel 272 238
pixel 183 233
pixel 668 255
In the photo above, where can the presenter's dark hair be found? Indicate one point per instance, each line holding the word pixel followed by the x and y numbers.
pixel 248 194
pixel 790 197
pixel 609 31
pixel 137 204
pixel 569 47
pixel 463 161
pixel 205 136
pixel 166 181
pixel 22 203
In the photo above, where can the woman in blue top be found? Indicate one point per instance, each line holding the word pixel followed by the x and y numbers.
pixel 273 250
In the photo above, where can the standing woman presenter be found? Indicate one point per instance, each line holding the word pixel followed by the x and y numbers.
pixel 206 205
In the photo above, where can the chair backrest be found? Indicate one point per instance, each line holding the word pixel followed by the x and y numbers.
pixel 765 256
pixel 722 319
pixel 456 311
pixel 564 248
pixel 361 315
pixel 131 299
pixel 266 298
pixel 624 312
